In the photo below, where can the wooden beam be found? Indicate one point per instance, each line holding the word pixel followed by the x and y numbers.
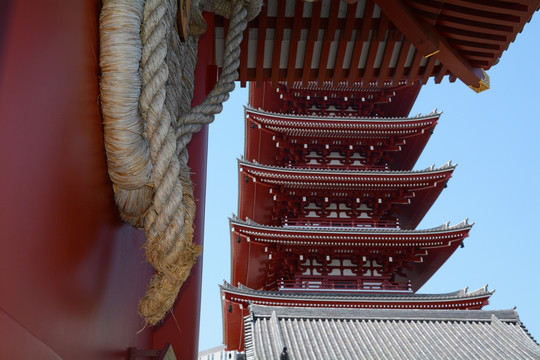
pixel 370 63
pixel 278 38
pixel 312 37
pixel 261 39
pixel 244 57
pixel 362 34
pixel 345 37
pixel 382 28
pixel 402 58
pixel 440 74
pixel 413 69
pixel 327 41
pixel 515 5
pixel 468 13
pixel 491 9
pixel 355 59
pixel 293 43
pixel 332 22
pixel 427 40
pixel 428 69
pixel 349 21
pixel 464 24
pixel 385 64
pixel 473 35
pixel 474 45
pixel 367 20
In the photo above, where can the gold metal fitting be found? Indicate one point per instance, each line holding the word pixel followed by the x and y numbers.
pixel 484 83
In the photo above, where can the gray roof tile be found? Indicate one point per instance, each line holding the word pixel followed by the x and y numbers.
pixel 314 333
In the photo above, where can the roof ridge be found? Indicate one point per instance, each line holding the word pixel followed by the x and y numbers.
pixel 444 227
pixel 430 169
pixel 506 315
pixel 335 117
pixel 352 296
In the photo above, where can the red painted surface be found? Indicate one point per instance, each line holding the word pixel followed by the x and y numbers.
pixel 181 328
pixel 233 323
pixel 250 263
pixel 71 272
pixel 254 257
pixel 266 98
pixel 307 301
pixel 257 203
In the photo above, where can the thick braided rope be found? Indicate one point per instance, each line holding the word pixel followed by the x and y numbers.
pixel 203 113
pixel 129 165
pixel 148 159
pixel 169 220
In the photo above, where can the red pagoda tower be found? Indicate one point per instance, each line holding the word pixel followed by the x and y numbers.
pixel 329 205
pixel 326 259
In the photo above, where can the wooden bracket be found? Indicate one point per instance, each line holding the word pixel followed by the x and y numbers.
pixel 429 42
pixel 184 7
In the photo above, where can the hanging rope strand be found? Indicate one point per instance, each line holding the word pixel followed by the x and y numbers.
pixel 146 142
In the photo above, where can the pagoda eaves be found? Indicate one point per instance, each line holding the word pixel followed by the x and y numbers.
pixel 336 142
pixel 270 257
pixel 272 195
pixel 236 301
pixel 384 101
pixel 376 42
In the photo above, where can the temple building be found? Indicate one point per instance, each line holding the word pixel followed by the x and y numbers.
pixel 327 229
pixel 326 257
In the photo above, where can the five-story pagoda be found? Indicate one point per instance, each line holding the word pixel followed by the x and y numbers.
pixel 329 205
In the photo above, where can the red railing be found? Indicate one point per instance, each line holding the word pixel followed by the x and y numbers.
pixel 341 223
pixel 362 167
pixel 356 285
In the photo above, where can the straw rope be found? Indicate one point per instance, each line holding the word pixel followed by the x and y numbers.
pixel 146 92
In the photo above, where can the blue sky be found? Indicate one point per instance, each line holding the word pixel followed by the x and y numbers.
pixel 494 136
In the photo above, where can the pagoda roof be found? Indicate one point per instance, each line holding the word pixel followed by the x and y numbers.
pixel 315 333
pixel 432 247
pixel 409 135
pixel 370 179
pixel 314 125
pixel 236 301
pixel 391 300
pixel 302 233
pixel 346 126
pixel 417 190
pixel 395 41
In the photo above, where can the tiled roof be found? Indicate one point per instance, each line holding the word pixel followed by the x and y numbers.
pixel 389 297
pixel 314 333
pixel 327 121
pixel 297 172
pixel 444 228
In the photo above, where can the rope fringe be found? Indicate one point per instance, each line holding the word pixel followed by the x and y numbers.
pixel 146 91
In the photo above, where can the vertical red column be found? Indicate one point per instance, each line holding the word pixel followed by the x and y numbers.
pixel 71 273
pixel 181 328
